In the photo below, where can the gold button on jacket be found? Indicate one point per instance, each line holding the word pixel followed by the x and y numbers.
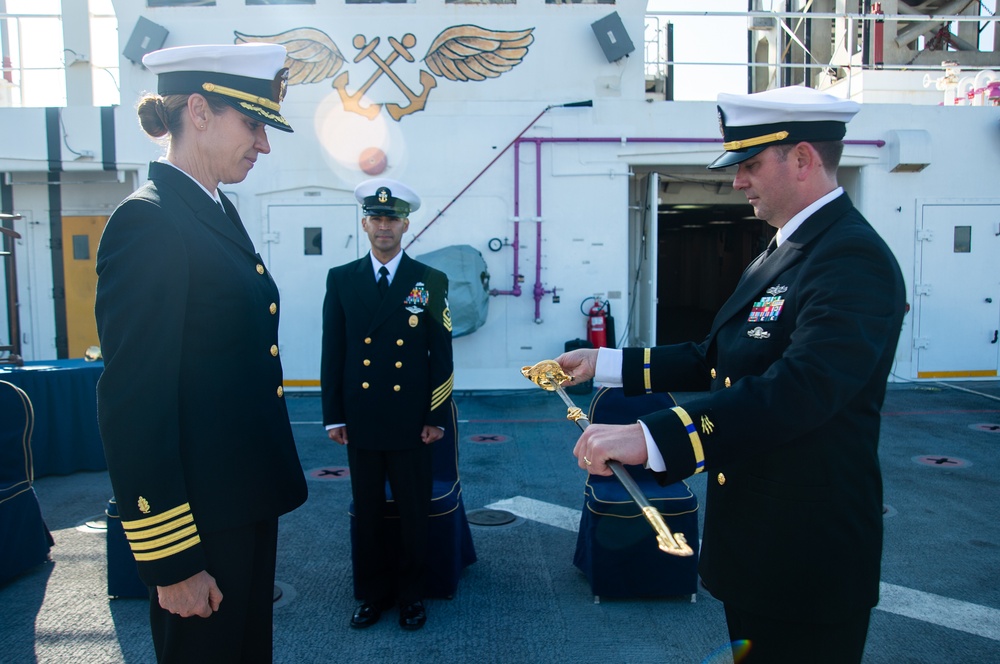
pixel 274 350
pixel 260 269
pixel 721 478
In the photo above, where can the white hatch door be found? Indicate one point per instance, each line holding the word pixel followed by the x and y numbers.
pixel 302 243
pixel 957 293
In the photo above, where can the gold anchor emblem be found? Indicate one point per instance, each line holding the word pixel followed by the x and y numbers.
pixel 459 53
pixel 352 102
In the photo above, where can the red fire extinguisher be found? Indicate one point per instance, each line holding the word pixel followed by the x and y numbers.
pixel 597 324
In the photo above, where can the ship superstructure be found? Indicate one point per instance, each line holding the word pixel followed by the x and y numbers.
pixel 544 136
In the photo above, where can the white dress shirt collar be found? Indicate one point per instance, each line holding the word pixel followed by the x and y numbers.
pixel 391 266
pixel 793 224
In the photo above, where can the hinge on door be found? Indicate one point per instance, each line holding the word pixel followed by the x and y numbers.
pixel 922 289
pixel 272 238
pixel 921 342
pixel 925 235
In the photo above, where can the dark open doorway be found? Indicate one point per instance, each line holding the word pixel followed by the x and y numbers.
pixel 703 250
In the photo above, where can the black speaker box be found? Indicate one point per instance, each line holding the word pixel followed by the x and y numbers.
pixel 146 36
pixel 612 37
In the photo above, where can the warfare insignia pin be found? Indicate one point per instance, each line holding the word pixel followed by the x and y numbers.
pixel 758 333
pixel 777 290
pixel 706 425
pixel 143 505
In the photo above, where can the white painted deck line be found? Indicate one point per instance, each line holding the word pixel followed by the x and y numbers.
pixel 943 611
pixel 955 614
pixel 537 510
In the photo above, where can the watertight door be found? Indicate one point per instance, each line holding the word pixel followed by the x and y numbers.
pixel 80 238
pixel 301 244
pixel 957 294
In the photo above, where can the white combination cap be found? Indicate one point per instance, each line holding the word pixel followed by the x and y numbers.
pixel 249 77
pixel 751 123
pixel 382 197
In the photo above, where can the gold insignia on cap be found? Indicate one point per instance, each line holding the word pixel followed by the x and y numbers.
pixel 383 195
pixel 280 84
pixel 414 320
pixel 143 505
pixel 706 425
pixel 238 94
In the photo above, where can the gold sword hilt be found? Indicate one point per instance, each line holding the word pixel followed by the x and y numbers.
pixel 549 376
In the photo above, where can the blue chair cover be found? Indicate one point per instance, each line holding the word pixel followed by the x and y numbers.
pixel 449 537
pixel 25 537
pixel 616 547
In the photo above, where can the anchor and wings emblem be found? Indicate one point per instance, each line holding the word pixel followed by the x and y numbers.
pixel 459 53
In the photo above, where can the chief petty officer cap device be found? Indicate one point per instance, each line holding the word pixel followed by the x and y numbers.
pixel 382 197
pixel 249 77
pixel 752 123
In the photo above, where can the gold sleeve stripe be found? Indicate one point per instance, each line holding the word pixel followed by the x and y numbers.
pixel 165 553
pixel 163 541
pixel 446 319
pixel 647 380
pixel 146 533
pixel 699 452
pixel 442 393
pixel 158 519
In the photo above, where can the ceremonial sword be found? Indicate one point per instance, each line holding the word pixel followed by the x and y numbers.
pixel 549 376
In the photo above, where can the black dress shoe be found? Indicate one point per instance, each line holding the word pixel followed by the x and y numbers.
pixel 412 616
pixel 366 615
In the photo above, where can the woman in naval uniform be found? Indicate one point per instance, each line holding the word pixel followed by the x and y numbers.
pixel 190 404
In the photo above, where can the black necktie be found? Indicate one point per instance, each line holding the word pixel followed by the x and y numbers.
pixel 757 262
pixel 383 280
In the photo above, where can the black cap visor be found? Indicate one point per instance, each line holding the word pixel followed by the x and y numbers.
pixel 731 158
pixel 271 92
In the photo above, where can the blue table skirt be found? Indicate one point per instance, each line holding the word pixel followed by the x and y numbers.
pixel 63 394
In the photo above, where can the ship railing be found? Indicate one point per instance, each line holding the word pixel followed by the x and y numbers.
pixel 849 43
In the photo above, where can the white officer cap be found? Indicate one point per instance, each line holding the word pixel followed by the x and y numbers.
pixel 752 123
pixel 249 77
pixel 382 197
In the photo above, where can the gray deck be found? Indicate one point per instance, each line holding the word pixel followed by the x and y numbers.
pixel 524 601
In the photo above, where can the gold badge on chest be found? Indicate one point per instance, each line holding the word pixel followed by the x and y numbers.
pixel 414 320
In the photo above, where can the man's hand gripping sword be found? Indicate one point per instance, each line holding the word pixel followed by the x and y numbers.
pixel 549 376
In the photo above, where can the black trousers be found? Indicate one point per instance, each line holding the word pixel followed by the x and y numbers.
pixel 385 569
pixel 761 640
pixel 242 561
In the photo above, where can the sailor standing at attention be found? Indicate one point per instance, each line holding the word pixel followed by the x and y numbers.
pixel 387 375
pixel 190 404
pixel 794 374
